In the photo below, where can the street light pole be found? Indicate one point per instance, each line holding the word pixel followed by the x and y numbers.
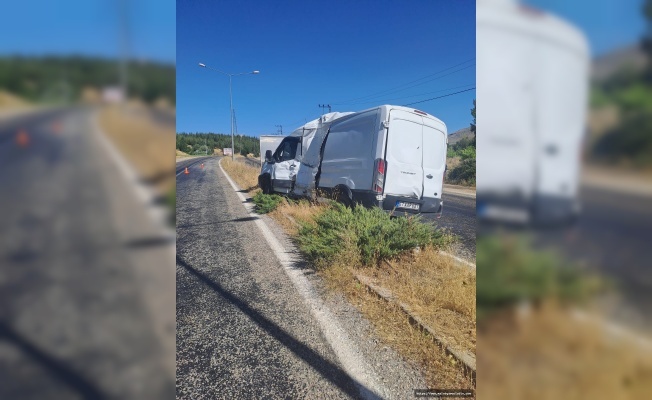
pixel 231 115
pixel 230 99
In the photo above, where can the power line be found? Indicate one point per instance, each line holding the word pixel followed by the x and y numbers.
pixel 415 85
pixel 408 83
pixel 439 97
pixel 412 95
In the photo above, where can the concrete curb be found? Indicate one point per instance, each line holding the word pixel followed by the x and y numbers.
pixel 465 358
pixel 455 190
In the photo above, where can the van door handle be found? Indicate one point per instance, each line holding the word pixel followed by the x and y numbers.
pixel 429 176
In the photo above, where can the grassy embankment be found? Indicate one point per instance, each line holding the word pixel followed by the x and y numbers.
pixel 145 144
pixel 341 242
pixel 532 344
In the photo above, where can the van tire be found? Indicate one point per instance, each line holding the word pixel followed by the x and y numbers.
pixel 265 184
pixel 343 195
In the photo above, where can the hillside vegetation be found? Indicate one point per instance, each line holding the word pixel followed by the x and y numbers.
pixel 64 78
pixel 204 143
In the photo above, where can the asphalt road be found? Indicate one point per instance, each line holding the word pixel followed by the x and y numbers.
pixel 243 331
pixel 86 276
pixel 189 162
pixel 613 237
pixel 459 219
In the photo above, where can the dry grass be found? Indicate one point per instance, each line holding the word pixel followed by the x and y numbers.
pixel 11 101
pixel 394 329
pixel 549 355
pixel 144 143
pixel 300 212
pixel 452 162
pixel 438 290
pixel 244 175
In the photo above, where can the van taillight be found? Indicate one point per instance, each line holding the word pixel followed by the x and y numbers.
pixel 380 166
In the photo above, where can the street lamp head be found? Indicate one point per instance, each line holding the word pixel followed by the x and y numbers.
pixel 256 72
pixel 202 65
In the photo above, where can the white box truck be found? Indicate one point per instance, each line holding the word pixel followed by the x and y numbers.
pixel 389 156
pixel 268 142
pixel 532 79
pixel 281 163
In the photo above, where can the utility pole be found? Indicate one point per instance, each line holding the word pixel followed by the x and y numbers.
pixel 235 122
pixel 124 48
pixel 280 130
pixel 323 107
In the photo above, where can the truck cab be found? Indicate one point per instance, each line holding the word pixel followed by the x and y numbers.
pixel 280 166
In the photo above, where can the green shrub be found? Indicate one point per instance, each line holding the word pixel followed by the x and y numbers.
pixel 363 235
pixel 463 174
pixel 266 203
pixel 631 141
pixel 510 271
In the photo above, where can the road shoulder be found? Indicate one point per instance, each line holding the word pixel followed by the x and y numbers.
pixel 359 350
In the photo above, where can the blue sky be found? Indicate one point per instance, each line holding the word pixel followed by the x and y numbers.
pixel 312 52
pixel 608 24
pixel 88 27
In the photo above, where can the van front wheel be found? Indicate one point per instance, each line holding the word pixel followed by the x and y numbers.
pixel 266 184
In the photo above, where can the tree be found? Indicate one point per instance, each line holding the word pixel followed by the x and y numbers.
pixel 646 42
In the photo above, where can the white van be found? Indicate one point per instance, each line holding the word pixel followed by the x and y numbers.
pixel 281 164
pixel 392 157
pixel 532 79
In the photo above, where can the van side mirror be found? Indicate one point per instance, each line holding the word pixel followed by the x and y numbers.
pixel 268 157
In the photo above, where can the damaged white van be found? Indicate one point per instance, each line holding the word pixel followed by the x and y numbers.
pixel 280 166
pixel 533 85
pixel 391 157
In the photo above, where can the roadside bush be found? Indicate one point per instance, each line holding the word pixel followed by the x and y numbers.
pixel 463 174
pixel 510 271
pixel 631 142
pixel 363 235
pixel 266 203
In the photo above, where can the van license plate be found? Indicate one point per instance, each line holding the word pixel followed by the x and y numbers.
pixel 409 206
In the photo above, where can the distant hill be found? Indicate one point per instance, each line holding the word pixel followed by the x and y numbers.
pixel 459 135
pixel 608 64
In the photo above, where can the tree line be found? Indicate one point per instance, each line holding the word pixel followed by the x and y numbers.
pixel 43 78
pixel 202 143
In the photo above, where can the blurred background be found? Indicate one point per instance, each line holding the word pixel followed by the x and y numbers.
pixel 87 137
pixel 564 183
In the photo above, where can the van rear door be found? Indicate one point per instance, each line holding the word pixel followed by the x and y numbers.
pixel 404 155
pixel 434 161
